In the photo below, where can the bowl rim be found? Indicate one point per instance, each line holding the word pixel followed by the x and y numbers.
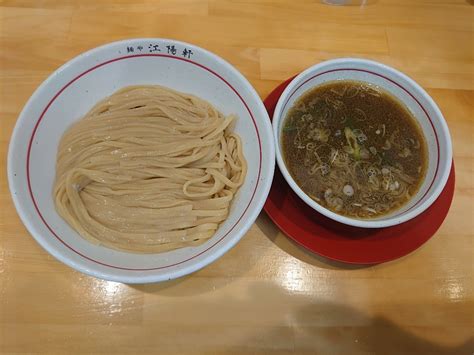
pixel 378 67
pixel 157 275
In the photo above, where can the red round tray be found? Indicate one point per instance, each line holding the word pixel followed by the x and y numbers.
pixel 341 242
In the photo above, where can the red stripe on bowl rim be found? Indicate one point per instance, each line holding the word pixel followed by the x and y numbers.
pixel 401 87
pixel 99 66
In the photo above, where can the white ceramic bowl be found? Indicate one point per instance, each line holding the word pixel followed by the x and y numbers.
pixel 407 91
pixel 73 89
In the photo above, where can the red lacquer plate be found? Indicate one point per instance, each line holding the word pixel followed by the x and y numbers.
pixel 341 242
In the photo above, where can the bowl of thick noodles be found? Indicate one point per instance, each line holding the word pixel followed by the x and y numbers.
pixel 361 143
pixel 141 160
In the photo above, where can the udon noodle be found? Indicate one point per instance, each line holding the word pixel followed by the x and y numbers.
pixel 149 169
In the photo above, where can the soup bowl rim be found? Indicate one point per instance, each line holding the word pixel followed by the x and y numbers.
pixel 377 67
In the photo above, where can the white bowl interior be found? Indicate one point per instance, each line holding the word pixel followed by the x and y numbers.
pixel 71 91
pixel 406 91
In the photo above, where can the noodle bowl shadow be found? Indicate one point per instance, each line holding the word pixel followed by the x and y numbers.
pixel 72 90
pixel 408 92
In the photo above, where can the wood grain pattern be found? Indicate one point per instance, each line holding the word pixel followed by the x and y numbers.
pixel 266 295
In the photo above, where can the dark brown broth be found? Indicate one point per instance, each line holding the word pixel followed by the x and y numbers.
pixel 354 149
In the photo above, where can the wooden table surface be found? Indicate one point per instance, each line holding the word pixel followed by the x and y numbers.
pixel 266 295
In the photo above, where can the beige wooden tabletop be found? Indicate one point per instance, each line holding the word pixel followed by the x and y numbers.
pixel 266 295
